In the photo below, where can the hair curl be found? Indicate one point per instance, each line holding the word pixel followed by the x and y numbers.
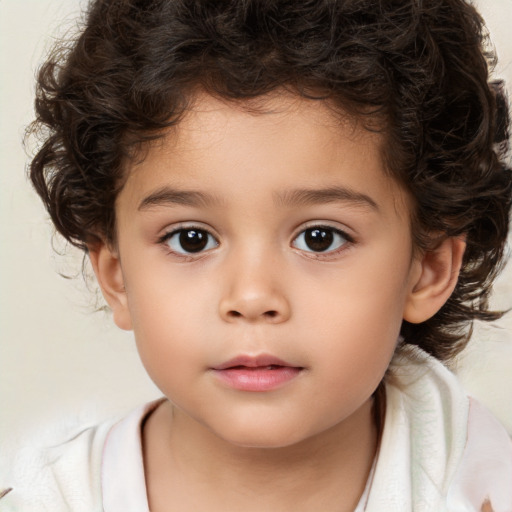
pixel 421 67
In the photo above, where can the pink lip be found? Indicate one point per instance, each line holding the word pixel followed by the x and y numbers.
pixel 260 373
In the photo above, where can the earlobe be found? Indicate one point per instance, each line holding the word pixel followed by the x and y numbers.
pixel 107 267
pixel 434 279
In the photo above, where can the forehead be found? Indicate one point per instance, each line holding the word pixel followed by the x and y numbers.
pixel 278 115
pixel 280 139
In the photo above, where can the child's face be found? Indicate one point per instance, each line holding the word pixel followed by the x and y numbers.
pixel 294 246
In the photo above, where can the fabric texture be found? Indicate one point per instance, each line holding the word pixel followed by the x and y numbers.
pixel 439 451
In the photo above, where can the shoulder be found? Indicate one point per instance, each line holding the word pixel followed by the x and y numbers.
pixel 485 469
pixel 440 450
pixel 69 476
pixel 61 477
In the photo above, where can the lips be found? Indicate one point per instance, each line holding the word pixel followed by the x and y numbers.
pixel 253 362
pixel 259 373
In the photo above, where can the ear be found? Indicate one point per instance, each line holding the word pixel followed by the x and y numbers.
pixel 433 279
pixel 107 267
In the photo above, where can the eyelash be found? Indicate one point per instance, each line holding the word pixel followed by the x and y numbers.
pixel 321 254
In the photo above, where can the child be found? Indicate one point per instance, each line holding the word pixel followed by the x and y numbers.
pixel 298 207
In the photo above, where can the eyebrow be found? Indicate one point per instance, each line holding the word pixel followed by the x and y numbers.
pixel 307 197
pixel 167 196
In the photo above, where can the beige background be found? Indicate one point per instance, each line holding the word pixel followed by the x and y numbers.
pixel 59 358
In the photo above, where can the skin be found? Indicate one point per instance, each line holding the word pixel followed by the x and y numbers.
pixel 258 288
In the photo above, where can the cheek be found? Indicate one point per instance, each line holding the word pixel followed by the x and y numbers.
pixel 374 287
pixel 358 314
pixel 166 315
pixel 159 294
pixel 172 349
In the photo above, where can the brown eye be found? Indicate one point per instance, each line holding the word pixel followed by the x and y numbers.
pixel 320 239
pixel 191 240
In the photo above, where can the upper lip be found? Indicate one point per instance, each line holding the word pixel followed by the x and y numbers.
pixel 253 362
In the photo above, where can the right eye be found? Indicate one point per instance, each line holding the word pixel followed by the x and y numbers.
pixel 190 240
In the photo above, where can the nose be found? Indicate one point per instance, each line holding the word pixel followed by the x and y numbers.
pixel 253 292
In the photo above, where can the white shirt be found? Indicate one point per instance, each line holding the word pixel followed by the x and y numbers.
pixel 439 451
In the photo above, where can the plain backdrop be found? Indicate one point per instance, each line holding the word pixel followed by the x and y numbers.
pixel 60 360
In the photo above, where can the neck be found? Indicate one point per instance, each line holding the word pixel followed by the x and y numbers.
pixel 329 468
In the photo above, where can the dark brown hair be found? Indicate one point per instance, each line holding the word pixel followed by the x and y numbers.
pixel 420 68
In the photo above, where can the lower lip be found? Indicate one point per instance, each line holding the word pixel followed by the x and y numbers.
pixel 257 379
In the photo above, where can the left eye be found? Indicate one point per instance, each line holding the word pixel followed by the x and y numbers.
pixel 320 239
pixel 190 240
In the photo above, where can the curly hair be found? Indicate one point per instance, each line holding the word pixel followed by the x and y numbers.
pixel 420 68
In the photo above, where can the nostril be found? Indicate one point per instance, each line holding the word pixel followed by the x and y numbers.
pixel 269 314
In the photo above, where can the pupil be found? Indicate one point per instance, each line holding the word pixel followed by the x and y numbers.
pixel 318 239
pixel 193 240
